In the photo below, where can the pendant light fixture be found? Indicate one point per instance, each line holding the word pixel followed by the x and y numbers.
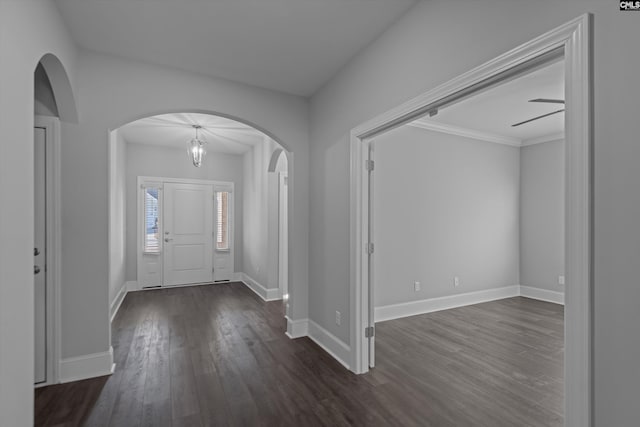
pixel 195 148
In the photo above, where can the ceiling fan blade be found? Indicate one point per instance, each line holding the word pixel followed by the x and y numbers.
pixel 539 117
pixel 547 100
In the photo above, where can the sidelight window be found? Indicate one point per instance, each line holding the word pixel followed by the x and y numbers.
pixel 151 220
pixel 222 220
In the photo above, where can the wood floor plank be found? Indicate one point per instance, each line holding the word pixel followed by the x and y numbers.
pixel 217 356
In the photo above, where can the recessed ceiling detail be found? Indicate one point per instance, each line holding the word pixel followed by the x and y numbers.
pixel 533 101
pixel 174 130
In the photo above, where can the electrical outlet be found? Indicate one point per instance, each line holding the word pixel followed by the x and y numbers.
pixel 560 280
pixel 456 281
pixel 338 318
pixel 416 286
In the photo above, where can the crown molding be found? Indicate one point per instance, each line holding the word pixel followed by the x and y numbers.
pixel 484 136
pixel 467 133
pixel 541 139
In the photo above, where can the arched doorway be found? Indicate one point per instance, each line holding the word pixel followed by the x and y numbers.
pixel 53 102
pixel 154 149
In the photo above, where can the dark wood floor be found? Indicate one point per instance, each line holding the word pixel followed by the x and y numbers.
pixel 216 356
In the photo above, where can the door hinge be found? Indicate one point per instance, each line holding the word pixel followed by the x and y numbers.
pixel 369 332
pixel 369 248
pixel 369 165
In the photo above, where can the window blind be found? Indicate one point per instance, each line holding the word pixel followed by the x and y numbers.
pixel 151 220
pixel 222 220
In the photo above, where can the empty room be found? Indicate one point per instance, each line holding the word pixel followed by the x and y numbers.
pixel 468 225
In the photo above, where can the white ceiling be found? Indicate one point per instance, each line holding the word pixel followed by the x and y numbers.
pixel 293 46
pixel 174 130
pixel 493 111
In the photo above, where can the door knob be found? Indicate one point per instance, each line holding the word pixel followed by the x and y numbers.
pixel 36 269
pixel 36 252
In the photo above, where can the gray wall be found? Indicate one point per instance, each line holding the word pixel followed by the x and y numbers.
pixel 28 30
pixel 436 41
pixel 444 206
pixel 542 215
pixel 118 227
pixel 260 216
pixel 273 188
pixel 148 160
pixel 113 91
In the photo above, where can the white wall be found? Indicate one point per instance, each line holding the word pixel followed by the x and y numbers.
pixel 260 261
pixel 28 30
pixel 542 215
pixel 444 206
pixel 148 160
pixel 118 228
pixel 273 189
pixel 436 41
pixel 113 92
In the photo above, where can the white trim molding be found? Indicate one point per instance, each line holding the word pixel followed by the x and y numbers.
pixel 542 294
pixel 542 139
pixel 297 328
pixel 128 286
pixel 481 135
pixel 466 132
pixel 132 285
pixel 573 42
pixel 330 343
pixel 87 366
pixel 53 272
pixel 412 308
pixel 266 294
pixel 430 305
pixel 117 301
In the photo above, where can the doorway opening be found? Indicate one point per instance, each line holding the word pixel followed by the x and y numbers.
pixel 467 220
pixel 47 230
pixel 572 42
pixel 175 224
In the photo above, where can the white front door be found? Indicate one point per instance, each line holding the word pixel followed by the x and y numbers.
pixel 39 259
pixel 188 234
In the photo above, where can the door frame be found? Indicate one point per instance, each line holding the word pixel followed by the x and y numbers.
pixel 51 126
pixel 216 185
pixel 574 40
pixel 283 241
pixel 228 186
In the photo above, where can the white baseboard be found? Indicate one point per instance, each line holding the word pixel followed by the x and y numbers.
pixel 330 343
pixel 261 291
pixel 412 308
pixel 127 287
pixel 87 366
pixel 297 328
pixel 132 285
pixel 117 301
pixel 542 294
